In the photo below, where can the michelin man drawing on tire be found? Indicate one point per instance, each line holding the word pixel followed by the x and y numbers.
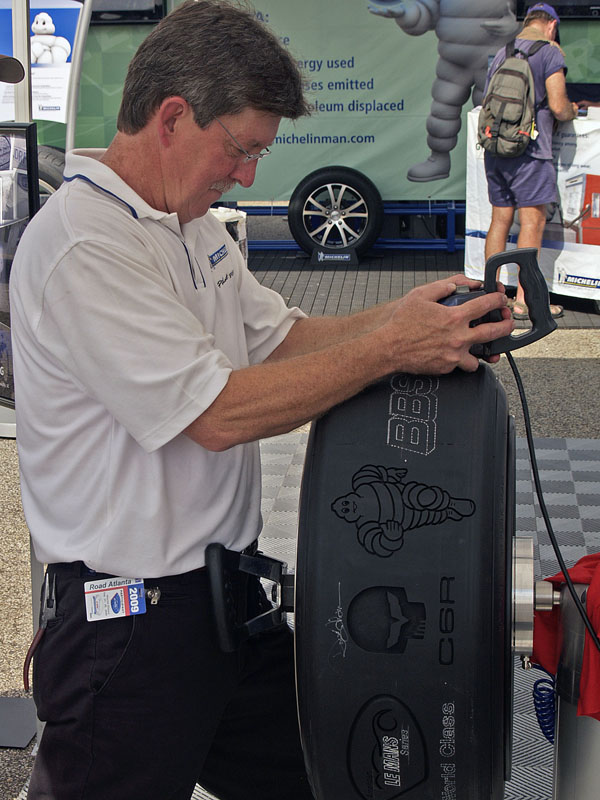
pixel 468 31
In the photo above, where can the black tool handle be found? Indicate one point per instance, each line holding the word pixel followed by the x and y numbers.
pixel 221 564
pixel 536 298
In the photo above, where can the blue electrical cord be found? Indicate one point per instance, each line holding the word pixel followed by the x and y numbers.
pixel 544 702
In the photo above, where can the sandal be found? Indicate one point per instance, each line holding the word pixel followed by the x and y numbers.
pixel 520 310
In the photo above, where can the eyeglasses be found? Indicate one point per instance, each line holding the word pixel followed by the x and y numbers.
pixel 248 157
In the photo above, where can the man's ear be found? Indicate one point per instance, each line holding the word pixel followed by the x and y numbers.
pixel 170 113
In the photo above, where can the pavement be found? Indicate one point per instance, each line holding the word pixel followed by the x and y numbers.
pixel 561 376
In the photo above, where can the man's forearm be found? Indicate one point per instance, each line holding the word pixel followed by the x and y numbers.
pixel 558 101
pixel 310 375
pixel 275 397
pixel 316 333
pixel 567 111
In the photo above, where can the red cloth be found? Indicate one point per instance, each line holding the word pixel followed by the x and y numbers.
pixel 546 642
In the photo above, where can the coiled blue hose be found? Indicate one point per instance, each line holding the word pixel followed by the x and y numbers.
pixel 544 701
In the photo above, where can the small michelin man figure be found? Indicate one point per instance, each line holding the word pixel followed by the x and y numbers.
pixel 383 505
pixel 46 48
pixel 469 32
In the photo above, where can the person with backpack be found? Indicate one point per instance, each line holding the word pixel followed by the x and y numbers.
pixel 522 175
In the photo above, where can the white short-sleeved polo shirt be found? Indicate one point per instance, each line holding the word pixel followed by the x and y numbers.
pixel 125 328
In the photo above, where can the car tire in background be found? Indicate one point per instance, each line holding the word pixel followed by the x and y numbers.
pixel 51 165
pixel 334 208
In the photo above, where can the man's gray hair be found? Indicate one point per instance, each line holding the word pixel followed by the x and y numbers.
pixel 220 58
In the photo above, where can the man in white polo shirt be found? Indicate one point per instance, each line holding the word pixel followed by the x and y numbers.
pixel 148 364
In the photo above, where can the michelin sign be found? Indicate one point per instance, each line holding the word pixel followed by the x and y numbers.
pixel 390 82
pixel 53 27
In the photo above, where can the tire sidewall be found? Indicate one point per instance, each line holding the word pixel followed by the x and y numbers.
pixel 51 164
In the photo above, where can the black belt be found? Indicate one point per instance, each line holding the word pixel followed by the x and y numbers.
pixel 79 569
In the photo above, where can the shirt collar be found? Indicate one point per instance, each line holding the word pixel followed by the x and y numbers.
pixel 86 165
pixel 532 33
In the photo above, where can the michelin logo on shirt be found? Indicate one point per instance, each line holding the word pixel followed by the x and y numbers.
pixel 216 258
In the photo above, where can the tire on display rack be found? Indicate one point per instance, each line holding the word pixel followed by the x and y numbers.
pixel 51 164
pixel 334 208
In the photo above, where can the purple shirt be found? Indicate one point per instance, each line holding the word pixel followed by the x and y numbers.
pixel 548 60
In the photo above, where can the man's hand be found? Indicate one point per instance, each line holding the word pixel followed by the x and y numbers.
pixel 427 337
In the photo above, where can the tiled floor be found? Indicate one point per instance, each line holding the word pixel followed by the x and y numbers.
pixel 380 276
pixel 570 475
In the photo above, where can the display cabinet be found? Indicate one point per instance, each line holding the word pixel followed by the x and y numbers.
pixel 19 201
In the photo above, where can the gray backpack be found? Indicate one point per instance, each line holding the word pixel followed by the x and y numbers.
pixel 507 118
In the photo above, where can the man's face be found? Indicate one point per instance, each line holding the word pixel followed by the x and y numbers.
pixel 204 163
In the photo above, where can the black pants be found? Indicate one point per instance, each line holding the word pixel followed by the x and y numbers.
pixel 146 706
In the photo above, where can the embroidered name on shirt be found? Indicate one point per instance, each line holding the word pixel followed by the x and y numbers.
pixel 217 256
pixel 221 281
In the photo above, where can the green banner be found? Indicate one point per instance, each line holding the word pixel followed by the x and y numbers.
pixel 369 84
pixel 391 82
pixel 379 85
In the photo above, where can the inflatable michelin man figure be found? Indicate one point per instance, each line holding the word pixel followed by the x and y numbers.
pixel 46 48
pixel 468 31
